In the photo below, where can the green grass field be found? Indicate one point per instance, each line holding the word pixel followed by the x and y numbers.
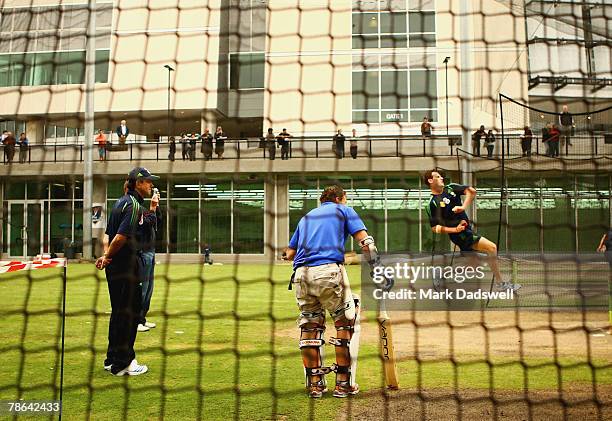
pixel 225 347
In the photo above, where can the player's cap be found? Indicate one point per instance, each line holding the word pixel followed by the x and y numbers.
pixel 142 174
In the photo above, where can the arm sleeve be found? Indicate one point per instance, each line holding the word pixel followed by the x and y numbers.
pixel 293 243
pixel 459 188
pixel 434 214
pixel 129 220
pixel 353 221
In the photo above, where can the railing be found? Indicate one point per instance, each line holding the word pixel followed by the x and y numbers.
pixel 315 147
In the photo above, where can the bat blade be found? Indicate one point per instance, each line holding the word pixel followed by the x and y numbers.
pixel 387 353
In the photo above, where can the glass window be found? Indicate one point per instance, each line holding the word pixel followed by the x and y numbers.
pixel 48 18
pixel 43 69
pixel 217 225
pixel 422 22
pixel 15 190
pixel 184 188
pixel 366 116
pixel 22 20
pixel 361 42
pixel 60 131
pixel 365 90
pixel 394 90
pixel 104 15
pixel 393 41
pixel 60 226
pixel 78 189
pixel 38 191
pixel 61 190
pixel 418 115
pixel 71 67
pixel 393 23
pixel 247 71
pixel 183 220
pixel 49 131
pixel 365 23
pixel 4 69
pixel 102 59
pixel 248 226
pixel 303 197
pixel 422 40
pixel 423 89
pixel 75 17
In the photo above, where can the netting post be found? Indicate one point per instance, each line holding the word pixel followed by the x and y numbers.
pixel 466 92
pixel 90 79
pixel 61 393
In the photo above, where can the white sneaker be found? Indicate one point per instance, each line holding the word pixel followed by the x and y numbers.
pixel 108 367
pixel 142 328
pixel 509 286
pixel 150 325
pixel 134 369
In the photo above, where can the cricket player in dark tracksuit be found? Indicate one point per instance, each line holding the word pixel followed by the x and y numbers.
pixel 447 216
pixel 122 274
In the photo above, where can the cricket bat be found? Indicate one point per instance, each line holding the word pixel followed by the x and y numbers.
pixel 387 354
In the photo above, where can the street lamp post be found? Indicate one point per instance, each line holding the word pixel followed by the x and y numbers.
pixel 446 60
pixel 170 69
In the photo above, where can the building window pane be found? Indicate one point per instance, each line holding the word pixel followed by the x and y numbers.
pixel 365 90
pixel 48 18
pixel 394 90
pixel 183 220
pixel 393 23
pixel 44 68
pixel 366 117
pixel 247 71
pixel 104 16
pixel 22 20
pixel 418 115
pixel 423 91
pixel 248 226
pixel 71 67
pixel 361 42
pixel 422 40
pixel 216 225
pixel 393 41
pixel 365 23
pixel 422 22
pixel 75 17
pixel 49 131
pixel 102 59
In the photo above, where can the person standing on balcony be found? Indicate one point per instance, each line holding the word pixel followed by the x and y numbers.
pixel 270 143
pixel 478 134
pixel 207 145
pixel 9 147
pixel 122 132
pixel 426 128
pixel 490 143
pixel 283 141
pixel 339 140
pixel 220 139
pixel 353 144
pixel 566 123
pixel 526 139
pixel 193 141
pixel 23 148
pixel 101 141
pixel 171 148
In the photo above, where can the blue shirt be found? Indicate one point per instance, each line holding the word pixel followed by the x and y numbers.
pixel 321 234
pixel 124 219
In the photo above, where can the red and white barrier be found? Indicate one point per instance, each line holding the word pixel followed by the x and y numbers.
pixel 40 262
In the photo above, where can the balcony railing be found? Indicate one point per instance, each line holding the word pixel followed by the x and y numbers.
pixel 594 145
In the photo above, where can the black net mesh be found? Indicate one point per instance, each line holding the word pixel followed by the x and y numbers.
pixel 247 110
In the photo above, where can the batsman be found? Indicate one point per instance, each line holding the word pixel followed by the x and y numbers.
pixel 321 284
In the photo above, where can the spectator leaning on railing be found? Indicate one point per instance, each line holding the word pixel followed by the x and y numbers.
pixel 9 146
pixel 339 144
pixel 354 144
pixel 220 139
pixel 478 134
pixel 122 132
pixel 101 141
pixel 283 140
pixel 193 141
pixel 566 123
pixel 207 145
pixel 526 139
pixel 490 143
pixel 23 148
pixel 271 144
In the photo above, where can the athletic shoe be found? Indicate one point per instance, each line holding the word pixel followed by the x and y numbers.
pixel 134 369
pixel 343 389
pixel 150 325
pixel 142 328
pixel 504 286
pixel 316 389
pixel 108 367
